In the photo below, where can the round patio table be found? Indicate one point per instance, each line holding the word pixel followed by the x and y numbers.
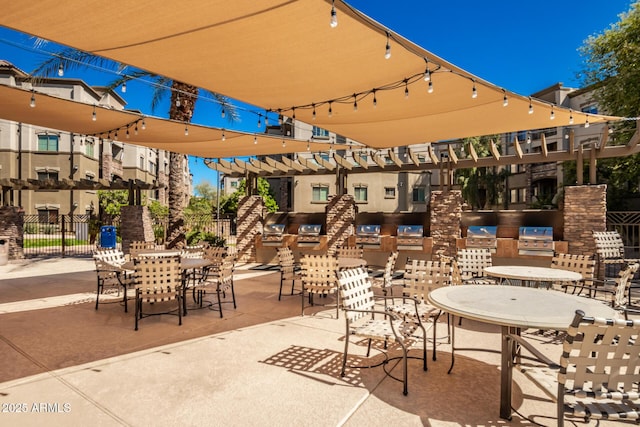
pixel 532 276
pixel 513 308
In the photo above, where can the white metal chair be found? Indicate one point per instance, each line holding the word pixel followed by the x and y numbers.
pixel 110 273
pixel 360 310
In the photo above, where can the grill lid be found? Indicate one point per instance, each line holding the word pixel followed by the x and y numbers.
pixel 368 230
pixel 273 229
pixel 309 229
pixel 410 231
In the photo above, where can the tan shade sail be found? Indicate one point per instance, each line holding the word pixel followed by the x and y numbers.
pixel 282 55
pixel 202 141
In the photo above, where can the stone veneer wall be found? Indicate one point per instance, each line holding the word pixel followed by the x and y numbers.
pixel 11 227
pixel 135 225
pixel 446 214
pixel 341 216
pixel 249 223
pixel 585 210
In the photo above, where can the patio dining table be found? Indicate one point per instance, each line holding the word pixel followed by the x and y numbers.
pixel 532 276
pixel 513 308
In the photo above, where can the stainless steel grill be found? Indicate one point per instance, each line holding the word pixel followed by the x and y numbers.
pixel 368 235
pixel 409 237
pixel 536 241
pixel 482 236
pixel 309 234
pixel 272 234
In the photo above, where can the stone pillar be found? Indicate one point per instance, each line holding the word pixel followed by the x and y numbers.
pixel 585 210
pixel 135 225
pixel 341 217
pixel 446 215
pixel 11 227
pixel 249 223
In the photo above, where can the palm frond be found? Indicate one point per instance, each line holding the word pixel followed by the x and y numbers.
pixel 72 59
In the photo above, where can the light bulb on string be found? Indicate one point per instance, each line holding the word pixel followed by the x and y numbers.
pixel 330 110
pixel 259 120
pixel 570 117
pixel 586 123
pixel 178 101
pixel 32 103
pixel 427 72
pixel 135 129
pixel 375 101
pixel 127 134
pixel 313 114
pixel 255 140
pixel 283 143
pixel 222 113
pixel 530 106
pixel 505 99
pixel 186 130
pixel 308 146
pixel 355 103
pixel 552 115
pixel 124 87
pixel 430 89
pixel 144 125
pixel 406 89
pixel 387 50
pixel 60 70
pixel 334 17
pixel 474 91
pixel 94 116
pixel 224 137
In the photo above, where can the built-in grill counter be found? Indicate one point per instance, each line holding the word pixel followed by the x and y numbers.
pixel 272 234
pixel 308 235
pixel 410 237
pixel 368 236
pixel 536 241
pixel 482 236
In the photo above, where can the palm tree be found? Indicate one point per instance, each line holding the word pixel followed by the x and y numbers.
pixel 182 106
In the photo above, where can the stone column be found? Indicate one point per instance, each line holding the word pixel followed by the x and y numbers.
pixel 11 227
pixel 585 210
pixel 341 217
pixel 446 215
pixel 135 225
pixel 249 223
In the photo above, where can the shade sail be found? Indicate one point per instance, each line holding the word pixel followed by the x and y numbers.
pixel 66 115
pixel 282 55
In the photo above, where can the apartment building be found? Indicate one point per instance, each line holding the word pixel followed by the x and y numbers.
pixel 53 172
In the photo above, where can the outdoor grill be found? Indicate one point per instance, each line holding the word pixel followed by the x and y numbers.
pixel 409 237
pixel 309 234
pixel 482 236
pixel 536 241
pixel 368 235
pixel 272 234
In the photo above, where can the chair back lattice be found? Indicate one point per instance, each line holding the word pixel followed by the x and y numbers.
pixel 215 254
pixel 137 246
pixel 350 252
pixel 110 256
pixel 609 245
pixel 472 262
pixel 600 360
pixel 422 277
pixel 196 252
pixel 319 274
pixel 356 293
pixel 389 267
pixel 158 279
pixel 585 265
pixel 286 261
pixel 623 283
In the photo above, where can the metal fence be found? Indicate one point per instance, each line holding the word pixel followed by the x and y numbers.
pixel 628 225
pixel 64 235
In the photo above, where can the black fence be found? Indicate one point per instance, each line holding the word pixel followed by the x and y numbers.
pixel 64 235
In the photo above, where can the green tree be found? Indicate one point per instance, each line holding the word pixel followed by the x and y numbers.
pixel 181 108
pixel 112 200
pixel 229 204
pixel 611 68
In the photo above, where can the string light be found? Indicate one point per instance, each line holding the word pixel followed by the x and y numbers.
pixel 334 17
pixel 144 125
pixel 355 103
pixel 135 129
pixel 32 103
pixel 177 100
pixel 127 134
pixel 553 114
pixel 427 71
pixel 222 113
pixel 60 70
pixel 570 117
pixel 474 91
pixel 406 89
pixel 293 116
pixel 283 143
pixel 224 137
pixel 586 123
pixel 259 120
pixel 387 51
pixel 330 110
pixel 186 130
pixel 313 115
pixel 124 87
pixel 529 139
pixel 505 100
pixel 530 106
pixel 94 117
pixel 255 140
pixel 308 146
pixel 430 89
pixel 375 101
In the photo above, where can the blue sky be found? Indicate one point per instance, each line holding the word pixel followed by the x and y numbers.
pixel 522 46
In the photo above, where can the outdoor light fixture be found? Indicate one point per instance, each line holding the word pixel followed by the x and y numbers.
pixel 127 134
pixel 355 103
pixel 570 117
pixel 93 115
pixel 334 16
pixel 406 89
pixel 553 114
pixel 32 104
pixel 224 138
pixel 308 146
pixel 330 110
pixel 474 91
pixel 387 51
pixel 313 114
pixel 135 129
pixel 255 140
pixel 222 114
pixel 124 87
pixel 430 89
pixel 144 125
pixel 259 120
pixel 60 70
pixel 375 101
pixel 283 144
pixel 505 100
pixel 186 130
pixel 427 72
pixel 586 123
pixel 530 106
pixel 177 100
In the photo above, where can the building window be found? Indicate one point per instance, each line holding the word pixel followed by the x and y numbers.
pixel 142 162
pixel 360 193
pixel 48 142
pixel 152 168
pixel 89 147
pixel 389 192
pixel 320 193
pixel 320 133
pixel 419 193
pixel 47 175
pixel 234 184
pixel 48 216
pixel 590 109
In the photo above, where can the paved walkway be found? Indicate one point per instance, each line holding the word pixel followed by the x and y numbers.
pixel 65 363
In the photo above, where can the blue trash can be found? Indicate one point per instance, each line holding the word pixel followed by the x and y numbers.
pixel 108 236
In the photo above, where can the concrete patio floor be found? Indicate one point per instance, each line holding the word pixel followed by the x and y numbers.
pixel 65 363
